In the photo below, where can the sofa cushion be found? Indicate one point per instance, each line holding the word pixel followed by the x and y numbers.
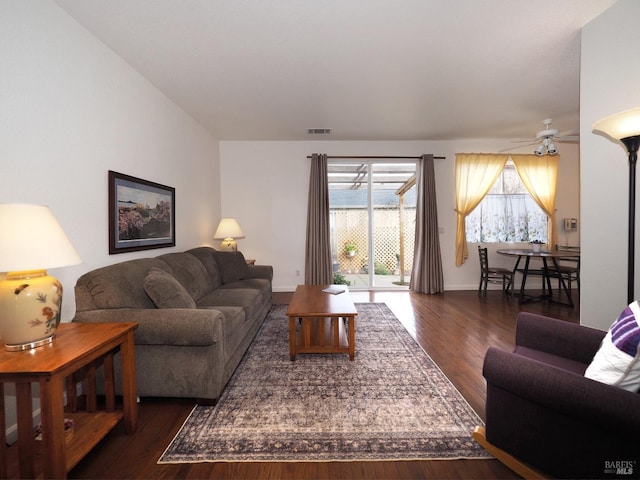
pixel 190 272
pixel 166 291
pixel 250 300
pixel 617 362
pixel 118 286
pixel 206 257
pixel 260 284
pixel 233 266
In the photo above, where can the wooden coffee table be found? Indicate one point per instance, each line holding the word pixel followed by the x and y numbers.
pixel 328 321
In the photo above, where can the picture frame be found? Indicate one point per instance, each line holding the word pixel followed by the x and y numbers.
pixel 141 214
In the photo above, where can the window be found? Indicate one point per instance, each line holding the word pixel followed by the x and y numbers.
pixel 507 213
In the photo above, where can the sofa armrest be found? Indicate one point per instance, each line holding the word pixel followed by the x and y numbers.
pixel 170 326
pixel 260 271
pixel 574 396
pixel 558 337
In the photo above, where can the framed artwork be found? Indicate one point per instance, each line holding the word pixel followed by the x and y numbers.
pixel 142 214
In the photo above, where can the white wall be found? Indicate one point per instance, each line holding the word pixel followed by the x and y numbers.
pixel 265 185
pixel 610 80
pixel 70 110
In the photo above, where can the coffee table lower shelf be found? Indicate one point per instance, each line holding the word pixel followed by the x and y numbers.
pixel 320 335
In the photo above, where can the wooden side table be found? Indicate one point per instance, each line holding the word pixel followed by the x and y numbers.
pixel 76 346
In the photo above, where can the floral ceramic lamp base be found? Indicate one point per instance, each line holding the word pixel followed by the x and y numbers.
pixel 30 304
pixel 229 245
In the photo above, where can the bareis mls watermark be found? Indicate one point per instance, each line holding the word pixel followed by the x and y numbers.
pixel 619 467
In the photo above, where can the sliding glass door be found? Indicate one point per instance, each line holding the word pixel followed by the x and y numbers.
pixel 372 205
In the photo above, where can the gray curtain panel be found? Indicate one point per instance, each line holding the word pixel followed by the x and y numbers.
pixel 426 275
pixel 318 249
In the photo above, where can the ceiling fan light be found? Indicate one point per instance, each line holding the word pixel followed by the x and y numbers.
pixel 551 149
pixel 540 150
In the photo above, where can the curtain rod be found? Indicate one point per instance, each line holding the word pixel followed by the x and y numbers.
pixel 380 156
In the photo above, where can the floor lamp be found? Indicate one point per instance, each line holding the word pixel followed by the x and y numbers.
pixel 625 127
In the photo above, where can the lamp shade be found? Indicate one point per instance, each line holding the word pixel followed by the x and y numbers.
pixel 620 125
pixel 32 239
pixel 228 228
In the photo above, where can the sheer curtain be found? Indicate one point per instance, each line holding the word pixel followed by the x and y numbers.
pixel 540 176
pixel 426 275
pixel 505 218
pixel 475 174
pixel 318 246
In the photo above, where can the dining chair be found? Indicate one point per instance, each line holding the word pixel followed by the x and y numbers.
pixel 493 274
pixel 568 267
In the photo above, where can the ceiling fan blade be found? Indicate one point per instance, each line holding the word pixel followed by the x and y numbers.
pixel 568 139
pixel 530 144
pixel 569 133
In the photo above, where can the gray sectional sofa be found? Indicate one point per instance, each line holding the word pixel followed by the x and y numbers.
pixel 197 313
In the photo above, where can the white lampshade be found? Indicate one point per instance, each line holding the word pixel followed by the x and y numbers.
pixel 228 230
pixel 31 240
pixel 620 125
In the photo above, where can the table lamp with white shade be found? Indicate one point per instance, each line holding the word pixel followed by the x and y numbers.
pixel 228 230
pixel 31 240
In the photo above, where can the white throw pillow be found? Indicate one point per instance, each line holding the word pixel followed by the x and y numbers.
pixel 617 362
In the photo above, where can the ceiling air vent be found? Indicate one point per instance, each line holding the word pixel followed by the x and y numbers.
pixel 318 131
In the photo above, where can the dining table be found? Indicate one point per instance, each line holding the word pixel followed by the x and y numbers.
pixel 546 272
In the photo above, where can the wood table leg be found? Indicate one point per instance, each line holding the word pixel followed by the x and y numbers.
pixel 306 332
pixel 25 430
pixel 352 337
pixel 54 461
pixel 109 383
pixel 129 395
pixel 3 437
pixel 91 389
pixel 292 338
pixel 72 394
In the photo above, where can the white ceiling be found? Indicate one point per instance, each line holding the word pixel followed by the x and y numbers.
pixel 367 69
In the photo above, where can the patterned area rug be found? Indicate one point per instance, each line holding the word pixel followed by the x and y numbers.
pixel 391 403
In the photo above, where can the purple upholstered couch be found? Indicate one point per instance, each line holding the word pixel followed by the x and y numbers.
pixel 541 409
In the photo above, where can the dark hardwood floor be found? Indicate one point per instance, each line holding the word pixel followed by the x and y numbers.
pixel 454 328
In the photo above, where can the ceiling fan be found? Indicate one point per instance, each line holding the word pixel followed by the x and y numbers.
pixel 545 139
